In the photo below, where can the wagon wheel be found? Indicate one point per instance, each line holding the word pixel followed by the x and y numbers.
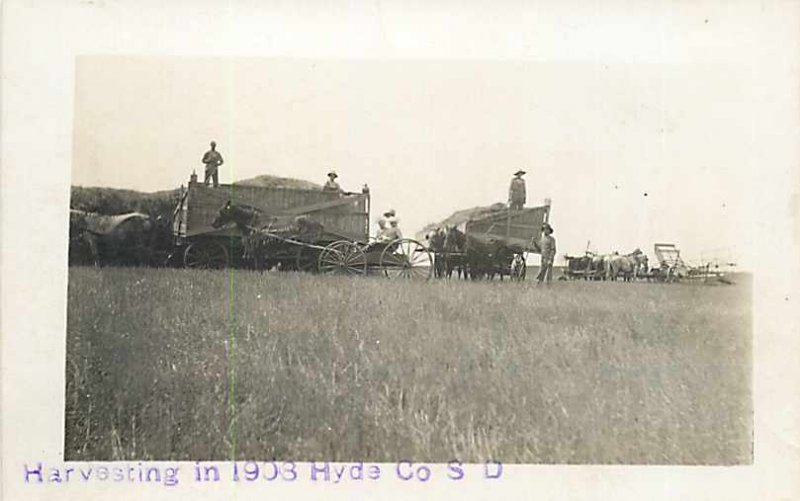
pixel 343 258
pixel 205 255
pixel 518 268
pixel 306 259
pixel 406 258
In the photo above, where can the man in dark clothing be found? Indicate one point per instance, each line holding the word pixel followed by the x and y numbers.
pixel 516 192
pixel 212 160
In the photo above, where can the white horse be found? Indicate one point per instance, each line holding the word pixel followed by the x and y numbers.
pixel 628 265
pixel 98 238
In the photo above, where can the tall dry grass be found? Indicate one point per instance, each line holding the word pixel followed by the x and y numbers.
pixel 179 364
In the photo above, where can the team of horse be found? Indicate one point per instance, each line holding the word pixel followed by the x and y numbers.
pixel 259 231
pixel 455 253
pixel 627 267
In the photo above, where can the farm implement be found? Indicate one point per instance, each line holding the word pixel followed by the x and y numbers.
pixel 672 268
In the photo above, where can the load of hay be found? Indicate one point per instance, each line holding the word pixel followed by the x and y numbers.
pixel 111 201
pixel 459 218
pixel 267 181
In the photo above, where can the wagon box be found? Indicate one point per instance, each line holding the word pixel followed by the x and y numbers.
pixel 518 230
pixel 203 245
pixel 346 216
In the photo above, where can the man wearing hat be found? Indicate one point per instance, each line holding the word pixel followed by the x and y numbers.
pixel 548 247
pixel 516 192
pixel 331 184
pixel 212 160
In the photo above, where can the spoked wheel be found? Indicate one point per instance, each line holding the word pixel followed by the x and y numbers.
pixel 406 258
pixel 307 259
pixel 205 255
pixel 518 268
pixel 343 258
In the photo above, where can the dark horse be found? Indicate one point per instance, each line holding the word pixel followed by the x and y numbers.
pixel 262 235
pixel 455 249
pixel 436 240
pixel 485 259
pixel 246 218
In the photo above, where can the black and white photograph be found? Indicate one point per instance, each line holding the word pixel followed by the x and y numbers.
pixel 482 248
pixel 372 260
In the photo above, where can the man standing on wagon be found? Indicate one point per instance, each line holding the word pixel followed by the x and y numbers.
pixel 548 247
pixel 212 160
pixel 331 185
pixel 516 192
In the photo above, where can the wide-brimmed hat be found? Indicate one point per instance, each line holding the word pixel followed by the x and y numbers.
pixel 333 174
pixel 520 172
pixel 389 212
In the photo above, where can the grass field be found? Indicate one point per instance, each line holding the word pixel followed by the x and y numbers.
pixel 182 364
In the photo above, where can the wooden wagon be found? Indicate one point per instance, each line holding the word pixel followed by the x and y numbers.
pixel 580 268
pixel 291 229
pixel 498 243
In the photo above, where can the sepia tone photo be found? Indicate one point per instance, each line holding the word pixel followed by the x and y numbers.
pixel 372 260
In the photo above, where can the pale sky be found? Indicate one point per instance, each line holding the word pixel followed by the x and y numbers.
pixel 630 154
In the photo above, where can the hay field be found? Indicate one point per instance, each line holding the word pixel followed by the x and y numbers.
pixel 185 364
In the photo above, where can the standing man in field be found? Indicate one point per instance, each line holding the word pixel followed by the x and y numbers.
pixel 212 160
pixel 516 192
pixel 548 248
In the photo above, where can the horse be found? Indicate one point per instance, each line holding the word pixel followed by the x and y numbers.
pixel 455 247
pixel 99 239
pixel 629 265
pixel 259 231
pixel 597 266
pixel 486 259
pixel 436 241
pixel 246 218
pixel 161 241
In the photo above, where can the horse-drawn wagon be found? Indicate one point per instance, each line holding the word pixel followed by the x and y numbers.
pixel 586 267
pixel 287 228
pixel 495 243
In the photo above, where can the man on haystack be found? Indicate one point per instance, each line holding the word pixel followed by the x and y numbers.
pixel 516 192
pixel 331 185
